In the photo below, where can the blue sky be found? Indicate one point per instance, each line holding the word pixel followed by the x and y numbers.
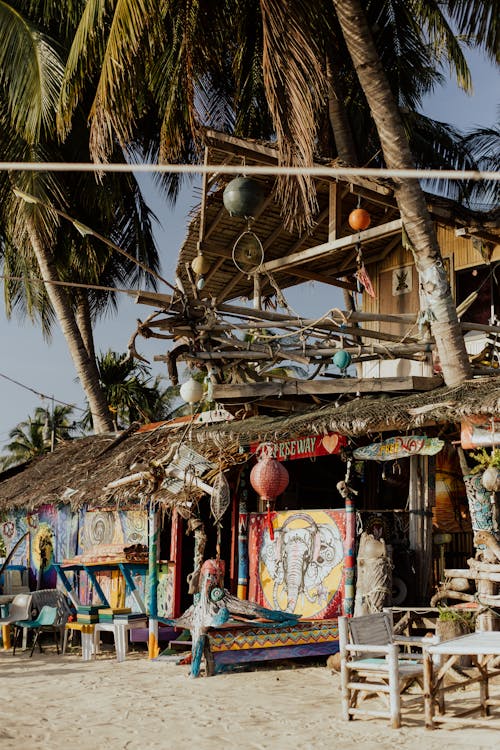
pixel 46 367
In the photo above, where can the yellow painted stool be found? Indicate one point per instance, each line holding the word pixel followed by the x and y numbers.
pixel 87 632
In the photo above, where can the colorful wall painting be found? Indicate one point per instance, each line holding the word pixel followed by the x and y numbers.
pixel 301 570
pixel 56 533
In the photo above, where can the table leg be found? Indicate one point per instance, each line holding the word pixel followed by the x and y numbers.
pixel 120 632
pixel 428 691
pixel 87 644
pixel 484 688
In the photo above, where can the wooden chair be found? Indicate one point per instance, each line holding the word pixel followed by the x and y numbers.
pixel 372 664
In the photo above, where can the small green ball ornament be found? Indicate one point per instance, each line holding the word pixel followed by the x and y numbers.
pixel 342 359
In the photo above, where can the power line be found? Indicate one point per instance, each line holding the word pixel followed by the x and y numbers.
pixel 41 395
pixel 30 279
pixel 316 171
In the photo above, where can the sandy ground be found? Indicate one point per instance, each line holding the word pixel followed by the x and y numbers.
pixel 53 702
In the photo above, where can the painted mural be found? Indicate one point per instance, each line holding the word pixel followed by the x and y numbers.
pixel 301 570
pixel 57 534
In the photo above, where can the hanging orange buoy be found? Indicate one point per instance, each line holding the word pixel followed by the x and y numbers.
pixel 359 219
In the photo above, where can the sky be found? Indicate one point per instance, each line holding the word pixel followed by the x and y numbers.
pixel 45 366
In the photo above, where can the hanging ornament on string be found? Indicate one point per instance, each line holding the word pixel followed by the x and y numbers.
pixel 200 266
pixel 359 219
pixel 219 503
pixel 363 279
pixel 269 478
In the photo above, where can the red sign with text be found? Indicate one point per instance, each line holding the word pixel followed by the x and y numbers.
pixel 302 447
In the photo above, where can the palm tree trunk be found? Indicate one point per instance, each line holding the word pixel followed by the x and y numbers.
pixel 84 323
pixel 417 222
pixel 337 114
pixel 84 365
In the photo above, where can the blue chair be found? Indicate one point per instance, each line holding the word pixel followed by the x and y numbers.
pixel 46 620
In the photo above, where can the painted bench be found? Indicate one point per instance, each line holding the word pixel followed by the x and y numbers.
pixel 233 644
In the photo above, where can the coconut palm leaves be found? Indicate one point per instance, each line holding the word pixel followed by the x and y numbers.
pixel 31 72
pixel 130 391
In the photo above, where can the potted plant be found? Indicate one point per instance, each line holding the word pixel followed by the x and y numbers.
pixel 488 464
pixel 452 623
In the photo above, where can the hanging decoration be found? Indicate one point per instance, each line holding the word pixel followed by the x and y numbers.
pixel 342 360
pixel 248 253
pixel 364 281
pixel 191 391
pixel 200 266
pixel 243 197
pixel 359 219
pixel 219 503
pixel 269 478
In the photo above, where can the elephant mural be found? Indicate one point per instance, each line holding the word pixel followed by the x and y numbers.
pixel 299 560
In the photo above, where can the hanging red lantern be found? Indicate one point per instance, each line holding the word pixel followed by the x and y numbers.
pixel 359 219
pixel 269 478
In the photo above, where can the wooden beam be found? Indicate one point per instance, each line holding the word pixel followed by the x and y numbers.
pixel 329 248
pixel 335 207
pixel 323 279
pixel 383 200
pixel 325 387
pixel 267 155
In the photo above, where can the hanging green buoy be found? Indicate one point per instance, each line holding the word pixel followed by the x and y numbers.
pixel 342 359
pixel 243 197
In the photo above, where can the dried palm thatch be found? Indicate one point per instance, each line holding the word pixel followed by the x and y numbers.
pixel 109 470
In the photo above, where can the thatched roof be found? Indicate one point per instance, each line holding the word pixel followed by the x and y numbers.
pixel 81 471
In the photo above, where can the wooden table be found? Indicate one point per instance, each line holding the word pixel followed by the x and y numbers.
pixel 484 648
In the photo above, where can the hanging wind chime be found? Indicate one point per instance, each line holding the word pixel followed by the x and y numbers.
pixel 359 220
pixel 269 478
pixel 219 503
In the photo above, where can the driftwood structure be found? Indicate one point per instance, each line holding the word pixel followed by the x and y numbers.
pixel 480 581
pixel 271 356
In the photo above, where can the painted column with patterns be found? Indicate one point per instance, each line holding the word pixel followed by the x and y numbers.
pixel 349 555
pixel 242 591
pixel 153 526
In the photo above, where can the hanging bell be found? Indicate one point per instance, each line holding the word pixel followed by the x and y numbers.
pixel 243 197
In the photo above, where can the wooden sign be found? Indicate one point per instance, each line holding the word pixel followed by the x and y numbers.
pixel 399 447
pixel 302 447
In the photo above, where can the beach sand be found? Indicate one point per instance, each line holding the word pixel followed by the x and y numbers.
pixel 52 702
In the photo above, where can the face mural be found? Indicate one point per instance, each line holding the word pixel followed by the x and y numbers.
pixel 300 571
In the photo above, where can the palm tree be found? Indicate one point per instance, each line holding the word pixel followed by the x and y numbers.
pixel 409 196
pixel 37 435
pixel 484 144
pixel 29 88
pixel 132 395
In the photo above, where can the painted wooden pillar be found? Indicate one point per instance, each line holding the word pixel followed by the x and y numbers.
pixel 242 591
pixel 153 526
pixel 349 555
pixel 176 557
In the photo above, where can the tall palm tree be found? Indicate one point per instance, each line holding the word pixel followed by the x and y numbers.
pixel 409 196
pixel 30 80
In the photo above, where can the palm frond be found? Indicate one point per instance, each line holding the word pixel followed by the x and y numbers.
pixel 31 72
